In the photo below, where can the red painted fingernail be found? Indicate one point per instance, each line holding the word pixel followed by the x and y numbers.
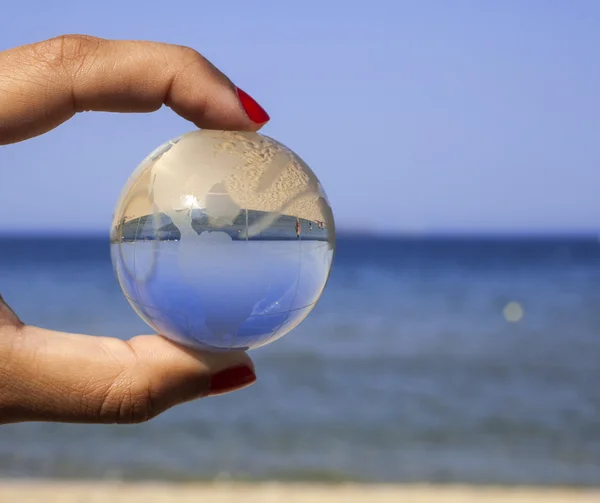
pixel 253 109
pixel 231 379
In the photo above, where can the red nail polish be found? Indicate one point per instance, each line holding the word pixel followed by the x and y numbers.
pixel 231 379
pixel 253 109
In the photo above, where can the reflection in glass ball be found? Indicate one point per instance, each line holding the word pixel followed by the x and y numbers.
pixel 223 240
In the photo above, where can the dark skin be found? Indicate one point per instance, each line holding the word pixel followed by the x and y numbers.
pixel 54 376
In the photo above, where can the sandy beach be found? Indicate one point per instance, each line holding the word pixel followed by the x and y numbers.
pixel 91 492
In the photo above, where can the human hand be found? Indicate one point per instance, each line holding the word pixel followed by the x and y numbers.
pixel 53 376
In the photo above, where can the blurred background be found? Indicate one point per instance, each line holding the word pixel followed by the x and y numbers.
pixel 458 339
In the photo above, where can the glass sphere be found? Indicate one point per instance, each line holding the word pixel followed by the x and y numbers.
pixel 223 240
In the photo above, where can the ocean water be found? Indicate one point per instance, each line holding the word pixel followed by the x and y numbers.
pixel 408 369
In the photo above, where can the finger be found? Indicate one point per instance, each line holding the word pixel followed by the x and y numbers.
pixel 7 316
pixel 53 376
pixel 44 84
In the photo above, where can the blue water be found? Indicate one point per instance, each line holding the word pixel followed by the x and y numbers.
pixel 219 293
pixel 406 370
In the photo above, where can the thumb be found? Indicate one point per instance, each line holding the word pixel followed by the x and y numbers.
pixel 174 374
pixel 55 376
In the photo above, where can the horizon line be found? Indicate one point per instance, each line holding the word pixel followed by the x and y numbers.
pixel 351 233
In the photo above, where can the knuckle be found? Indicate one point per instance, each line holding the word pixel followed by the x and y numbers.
pixel 66 51
pixel 128 402
pixel 190 58
pixel 190 55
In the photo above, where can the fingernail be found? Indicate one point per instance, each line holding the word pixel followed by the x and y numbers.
pixel 255 112
pixel 231 379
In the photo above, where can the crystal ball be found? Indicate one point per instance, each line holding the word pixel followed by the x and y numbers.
pixel 223 240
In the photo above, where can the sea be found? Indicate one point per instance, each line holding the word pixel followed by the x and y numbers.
pixel 442 360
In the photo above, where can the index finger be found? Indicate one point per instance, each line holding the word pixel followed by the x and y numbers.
pixel 44 84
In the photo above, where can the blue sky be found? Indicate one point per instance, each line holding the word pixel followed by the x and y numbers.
pixel 416 116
